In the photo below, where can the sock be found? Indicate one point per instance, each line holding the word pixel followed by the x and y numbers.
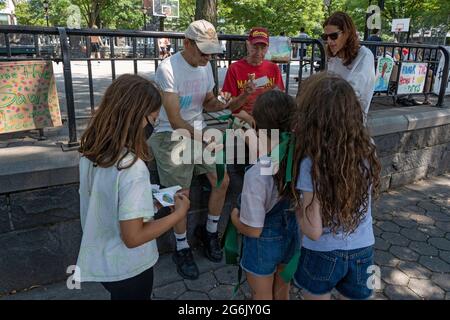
pixel 211 225
pixel 181 241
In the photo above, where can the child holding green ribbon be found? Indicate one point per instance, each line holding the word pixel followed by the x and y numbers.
pixel 269 228
pixel 337 171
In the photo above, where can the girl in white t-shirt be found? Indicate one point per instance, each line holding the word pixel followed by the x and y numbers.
pixel 269 228
pixel 118 246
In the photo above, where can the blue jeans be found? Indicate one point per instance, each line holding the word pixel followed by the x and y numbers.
pixel 346 270
pixel 277 244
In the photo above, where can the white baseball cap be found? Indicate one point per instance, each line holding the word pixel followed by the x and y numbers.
pixel 205 36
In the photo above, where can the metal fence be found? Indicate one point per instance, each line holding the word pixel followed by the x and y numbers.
pixel 68 45
pixel 404 53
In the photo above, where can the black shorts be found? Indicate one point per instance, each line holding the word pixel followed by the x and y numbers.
pixel 95 47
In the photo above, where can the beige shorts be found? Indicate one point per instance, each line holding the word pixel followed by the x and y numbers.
pixel 171 173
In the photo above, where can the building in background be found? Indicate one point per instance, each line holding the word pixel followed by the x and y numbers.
pixel 7 15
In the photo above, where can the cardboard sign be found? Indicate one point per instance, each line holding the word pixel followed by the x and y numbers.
pixel 28 97
pixel 412 78
pixel 440 75
pixel 384 71
pixel 279 49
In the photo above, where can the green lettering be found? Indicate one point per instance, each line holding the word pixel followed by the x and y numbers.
pixel 34 98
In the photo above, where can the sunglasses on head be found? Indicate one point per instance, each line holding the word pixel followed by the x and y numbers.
pixel 332 36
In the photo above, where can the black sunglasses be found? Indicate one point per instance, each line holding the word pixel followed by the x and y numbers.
pixel 332 36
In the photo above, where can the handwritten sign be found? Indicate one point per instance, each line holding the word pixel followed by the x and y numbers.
pixel 384 71
pixel 28 97
pixel 412 78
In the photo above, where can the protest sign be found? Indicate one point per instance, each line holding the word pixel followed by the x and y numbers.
pixel 384 71
pixel 412 78
pixel 28 97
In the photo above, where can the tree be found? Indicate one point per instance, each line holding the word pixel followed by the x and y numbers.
pixel 276 15
pixel 32 12
pixel 206 9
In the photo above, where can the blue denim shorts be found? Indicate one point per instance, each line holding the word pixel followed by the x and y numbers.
pixel 277 244
pixel 346 270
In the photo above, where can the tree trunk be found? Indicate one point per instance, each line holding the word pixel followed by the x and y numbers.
pixel 206 9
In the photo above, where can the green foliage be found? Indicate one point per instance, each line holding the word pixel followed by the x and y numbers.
pixel 32 13
pixel 238 16
pixel 276 15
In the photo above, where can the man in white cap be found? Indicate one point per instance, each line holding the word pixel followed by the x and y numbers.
pixel 187 84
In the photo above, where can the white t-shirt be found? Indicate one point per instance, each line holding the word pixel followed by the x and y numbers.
pixel 360 74
pixel 191 84
pixel 259 194
pixel 107 196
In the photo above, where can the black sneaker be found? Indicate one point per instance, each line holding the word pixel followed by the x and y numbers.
pixel 211 244
pixel 186 266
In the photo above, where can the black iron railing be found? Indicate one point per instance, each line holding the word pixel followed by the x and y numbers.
pixel 69 45
pixel 414 52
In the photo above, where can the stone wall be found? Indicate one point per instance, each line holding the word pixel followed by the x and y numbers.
pixel 40 230
pixel 413 155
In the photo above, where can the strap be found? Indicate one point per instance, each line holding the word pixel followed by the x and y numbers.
pixel 285 148
pixel 220 156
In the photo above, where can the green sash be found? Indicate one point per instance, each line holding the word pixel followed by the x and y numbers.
pixel 220 165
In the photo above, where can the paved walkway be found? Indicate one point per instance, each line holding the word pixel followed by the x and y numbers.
pixel 412 228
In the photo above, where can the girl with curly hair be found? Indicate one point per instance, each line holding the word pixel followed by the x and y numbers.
pixel 337 172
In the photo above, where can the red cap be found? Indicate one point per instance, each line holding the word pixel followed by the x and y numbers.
pixel 259 35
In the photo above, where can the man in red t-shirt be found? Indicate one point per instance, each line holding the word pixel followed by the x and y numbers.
pixel 249 77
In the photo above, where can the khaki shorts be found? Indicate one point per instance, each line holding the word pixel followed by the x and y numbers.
pixel 170 173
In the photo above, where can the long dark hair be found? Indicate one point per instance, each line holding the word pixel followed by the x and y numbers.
pixel 329 126
pixel 273 110
pixel 344 23
pixel 117 123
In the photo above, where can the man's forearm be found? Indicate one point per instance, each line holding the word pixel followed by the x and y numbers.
pixel 181 124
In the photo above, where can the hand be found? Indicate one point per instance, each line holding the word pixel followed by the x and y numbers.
pixel 224 97
pixel 250 86
pixel 244 116
pixel 182 203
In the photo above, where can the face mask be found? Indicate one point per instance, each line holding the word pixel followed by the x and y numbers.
pixel 148 130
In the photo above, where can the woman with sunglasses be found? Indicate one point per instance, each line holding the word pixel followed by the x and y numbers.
pixel 347 58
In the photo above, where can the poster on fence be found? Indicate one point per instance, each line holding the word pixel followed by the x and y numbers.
pixel 440 75
pixel 279 49
pixel 384 71
pixel 28 97
pixel 412 78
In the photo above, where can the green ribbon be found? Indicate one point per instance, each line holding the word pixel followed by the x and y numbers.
pixel 285 147
pixel 230 244
pixel 220 167
pixel 288 272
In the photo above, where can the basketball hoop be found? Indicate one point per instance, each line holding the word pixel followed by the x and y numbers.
pixel 166 8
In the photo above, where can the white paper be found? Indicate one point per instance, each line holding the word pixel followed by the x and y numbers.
pixel 166 196
pixel 260 82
